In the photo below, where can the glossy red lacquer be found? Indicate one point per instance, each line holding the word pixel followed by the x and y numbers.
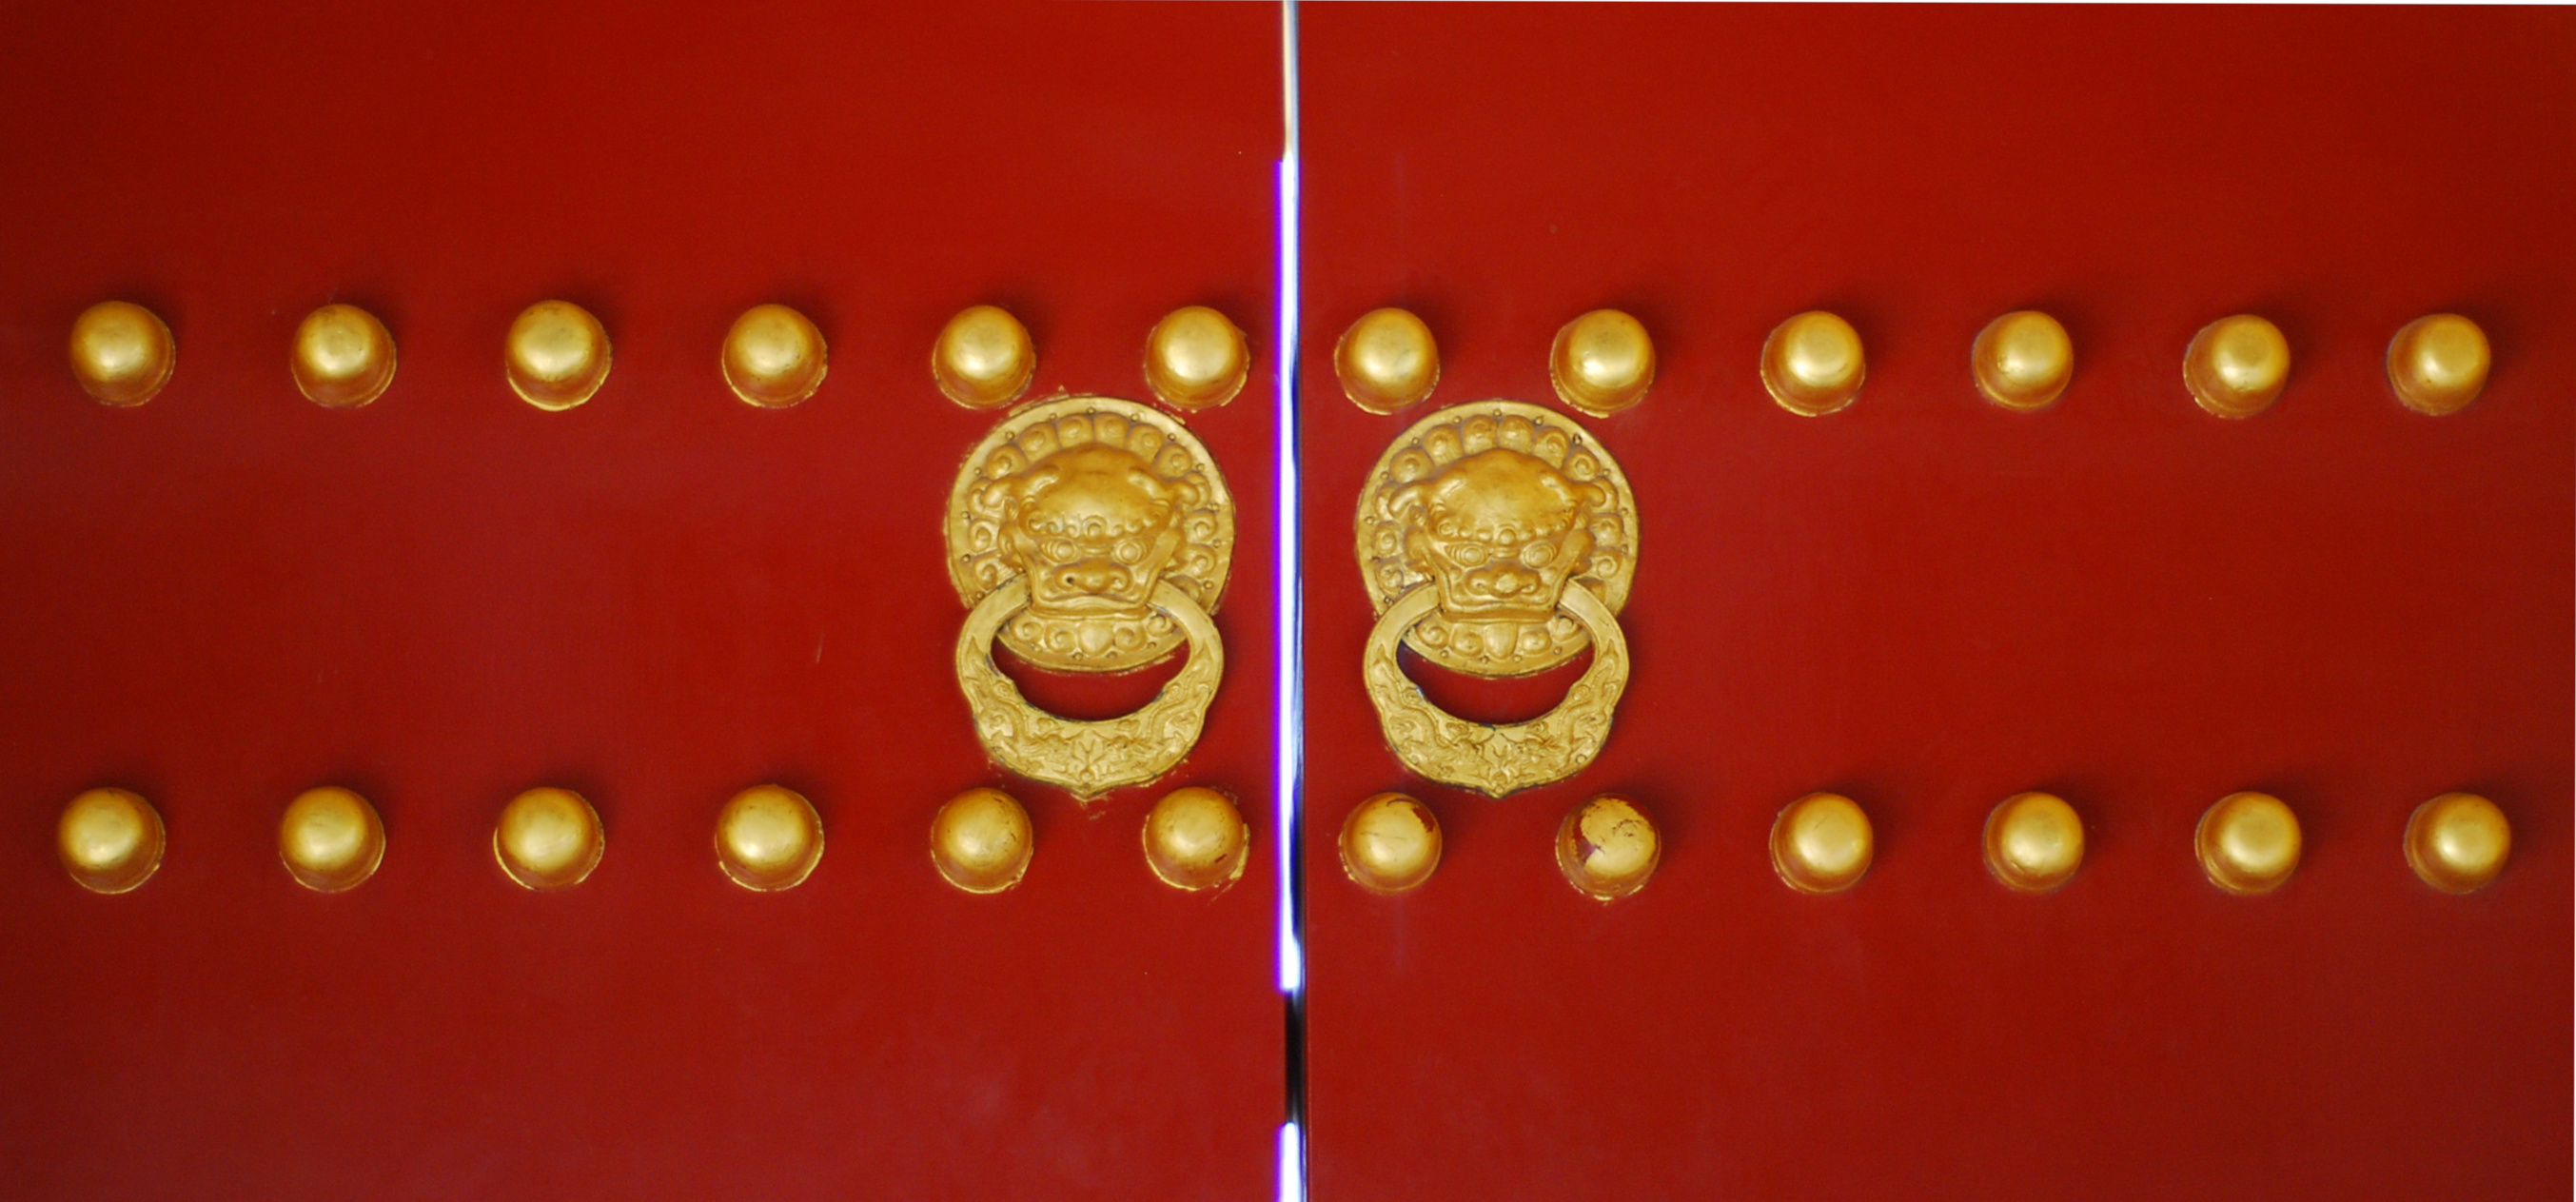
pixel 229 595
pixel 1929 603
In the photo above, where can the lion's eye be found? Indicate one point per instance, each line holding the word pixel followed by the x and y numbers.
pixel 1128 551
pixel 1468 554
pixel 1057 551
pixel 1536 555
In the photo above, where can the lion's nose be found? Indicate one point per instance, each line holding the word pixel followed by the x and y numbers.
pixel 1094 579
pixel 1508 583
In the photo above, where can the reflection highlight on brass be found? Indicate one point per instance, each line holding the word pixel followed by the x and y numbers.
pixel 1196 359
pixel 1195 839
pixel 121 354
pixel 1387 361
pixel 2438 364
pixel 1496 539
pixel 981 841
pixel 984 358
pixel 2022 361
pixel 1390 843
pixel 556 355
pixel 1812 364
pixel 344 357
pixel 768 838
pixel 330 840
pixel 110 840
pixel 1607 847
pixel 548 839
pixel 1821 843
pixel 2034 842
pixel 1089 534
pixel 2458 842
pixel 773 357
pixel 2235 366
pixel 1602 362
pixel 2248 843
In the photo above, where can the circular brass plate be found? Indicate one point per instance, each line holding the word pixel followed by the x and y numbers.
pixel 1390 570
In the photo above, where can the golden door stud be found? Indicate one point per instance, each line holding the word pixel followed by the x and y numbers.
pixel 1387 361
pixel 330 840
pixel 1821 843
pixel 2034 842
pixel 981 841
pixel 2438 364
pixel 1602 362
pixel 1390 843
pixel 121 353
pixel 2458 842
pixel 984 358
pixel 1812 364
pixel 1195 839
pixel 774 357
pixel 110 840
pixel 2248 843
pixel 1608 848
pixel 548 839
pixel 557 355
pixel 768 838
pixel 2235 366
pixel 344 357
pixel 1196 359
pixel 2022 361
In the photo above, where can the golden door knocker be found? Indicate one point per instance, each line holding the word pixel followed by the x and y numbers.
pixel 1089 534
pixel 1497 539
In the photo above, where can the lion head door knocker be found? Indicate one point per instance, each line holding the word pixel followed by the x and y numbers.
pixel 1497 539
pixel 1089 534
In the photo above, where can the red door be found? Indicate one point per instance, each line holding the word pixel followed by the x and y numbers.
pixel 1928 603
pixel 226 596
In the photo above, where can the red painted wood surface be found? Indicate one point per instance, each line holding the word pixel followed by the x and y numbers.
pixel 1929 603
pixel 230 595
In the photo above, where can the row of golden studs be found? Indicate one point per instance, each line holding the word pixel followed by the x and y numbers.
pixel 556 356
pixel 767 838
pixel 2248 843
pixel 1604 362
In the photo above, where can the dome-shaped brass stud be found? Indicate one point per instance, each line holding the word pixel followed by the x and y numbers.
pixel 768 838
pixel 981 841
pixel 1387 361
pixel 2458 842
pixel 2022 361
pixel 1821 843
pixel 2438 364
pixel 343 358
pixel 2248 843
pixel 2034 842
pixel 1390 843
pixel 548 839
pixel 1602 362
pixel 1812 364
pixel 1196 359
pixel 110 840
pixel 1195 839
pixel 1608 848
pixel 121 353
pixel 774 357
pixel 330 840
pixel 2235 366
pixel 557 355
pixel 984 358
